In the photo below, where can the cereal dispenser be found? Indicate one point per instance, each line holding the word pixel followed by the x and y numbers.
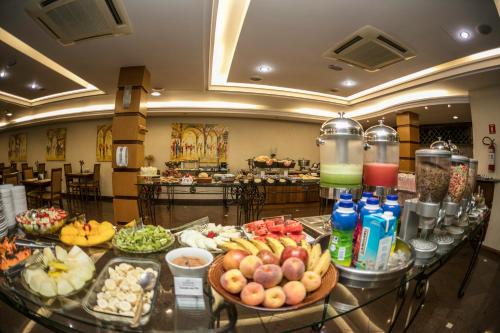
pixel 381 160
pixel 432 173
pixel 341 157
pixel 459 172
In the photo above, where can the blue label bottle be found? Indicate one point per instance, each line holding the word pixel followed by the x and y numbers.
pixel 391 204
pixel 371 207
pixel 343 223
pixel 344 197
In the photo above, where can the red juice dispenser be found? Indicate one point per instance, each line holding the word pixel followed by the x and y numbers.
pixel 381 159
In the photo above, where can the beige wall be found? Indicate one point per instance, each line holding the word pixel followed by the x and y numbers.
pixel 485 109
pixel 247 138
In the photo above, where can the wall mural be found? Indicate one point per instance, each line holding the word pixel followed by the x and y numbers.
pixel 18 147
pixel 204 142
pixel 104 144
pixel 56 144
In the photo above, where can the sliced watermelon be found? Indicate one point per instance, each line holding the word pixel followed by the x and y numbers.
pixel 278 229
pixel 295 227
pixel 297 237
pixel 260 232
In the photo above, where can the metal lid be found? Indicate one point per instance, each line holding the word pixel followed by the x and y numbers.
pixel 422 245
pixel 459 158
pixel 473 161
pixel 440 144
pixel 454 230
pixel 442 239
pixel 433 153
pixel 341 126
pixel 381 133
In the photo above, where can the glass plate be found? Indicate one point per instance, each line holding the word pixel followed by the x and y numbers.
pixel 163 248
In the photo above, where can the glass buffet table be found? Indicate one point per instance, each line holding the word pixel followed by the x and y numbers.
pixel 345 308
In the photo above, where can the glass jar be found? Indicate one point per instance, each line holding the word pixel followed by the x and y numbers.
pixel 432 173
pixel 381 156
pixel 340 151
pixel 471 179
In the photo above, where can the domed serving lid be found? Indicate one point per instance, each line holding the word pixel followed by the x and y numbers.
pixel 460 159
pixel 440 144
pixel 341 126
pixel 381 133
pixel 453 148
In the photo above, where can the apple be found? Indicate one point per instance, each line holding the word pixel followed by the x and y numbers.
pixel 274 297
pixel 294 252
pixel 233 281
pixel 252 294
pixel 295 292
pixel 233 258
pixel 311 280
pixel 249 264
pixel 293 269
pixel 268 257
pixel 268 275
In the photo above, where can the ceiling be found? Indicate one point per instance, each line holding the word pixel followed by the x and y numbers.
pixel 293 39
pixel 175 40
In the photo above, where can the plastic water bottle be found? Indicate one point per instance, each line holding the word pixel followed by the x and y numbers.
pixel 371 207
pixel 344 197
pixel 343 223
pixel 363 199
pixel 391 204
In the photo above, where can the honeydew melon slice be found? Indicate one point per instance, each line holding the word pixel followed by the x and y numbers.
pixel 64 287
pixel 61 254
pixel 48 287
pixel 48 255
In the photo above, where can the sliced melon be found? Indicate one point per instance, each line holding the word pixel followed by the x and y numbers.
pixel 64 287
pixel 48 287
pixel 75 279
pixel 48 255
pixel 61 253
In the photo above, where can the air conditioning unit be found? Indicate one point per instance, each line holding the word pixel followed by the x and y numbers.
pixel 71 21
pixel 369 49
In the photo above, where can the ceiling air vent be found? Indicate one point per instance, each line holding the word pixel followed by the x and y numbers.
pixel 71 21
pixel 370 49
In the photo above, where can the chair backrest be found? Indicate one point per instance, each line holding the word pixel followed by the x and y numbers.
pixel 56 180
pixel 2 166
pixel 28 173
pixel 97 172
pixel 41 168
pixel 6 171
pixel 68 168
pixel 13 166
pixel 24 166
pixel 10 179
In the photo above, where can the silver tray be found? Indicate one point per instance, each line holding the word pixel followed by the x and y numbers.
pixel 356 278
pixel 89 301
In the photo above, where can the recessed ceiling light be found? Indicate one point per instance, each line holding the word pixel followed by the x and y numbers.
pixel 464 34
pixel 34 86
pixel 3 73
pixel 8 114
pixel 455 117
pixel 426 107
pixel 255 78
pixel 449 105
pixel 156 93
pixel 333 90
pixel 348 83
pixel 264 68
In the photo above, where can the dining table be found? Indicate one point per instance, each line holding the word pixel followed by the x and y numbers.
pixel 38 185
pixel 82 178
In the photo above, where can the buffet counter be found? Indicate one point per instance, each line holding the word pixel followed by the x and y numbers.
pixel 212 313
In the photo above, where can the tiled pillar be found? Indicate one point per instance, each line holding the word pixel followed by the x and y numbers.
pixel 409 136
pixel 129 130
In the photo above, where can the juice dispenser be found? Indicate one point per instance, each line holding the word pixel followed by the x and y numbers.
pixel 471 184
pixel 381 160
pixel 432 175
pixel 459 172
pixel 341 157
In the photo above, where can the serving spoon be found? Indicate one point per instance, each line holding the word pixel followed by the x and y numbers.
pixel 146 281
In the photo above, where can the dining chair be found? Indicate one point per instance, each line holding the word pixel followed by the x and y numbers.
pixel 94 186
pixel 24 166
pixel 68 180
pixel 55 188
pixel 2 166
pixel 10 179
pixel 13 166
pixel 41 168
pixel 28 173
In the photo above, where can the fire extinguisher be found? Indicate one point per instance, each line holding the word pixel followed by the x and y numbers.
pixel 491 152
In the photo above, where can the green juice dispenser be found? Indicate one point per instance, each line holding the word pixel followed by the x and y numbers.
pixel 341 157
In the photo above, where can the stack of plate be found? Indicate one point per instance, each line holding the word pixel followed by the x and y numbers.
pixel 19 199
pixel 3 223
pixel 8 205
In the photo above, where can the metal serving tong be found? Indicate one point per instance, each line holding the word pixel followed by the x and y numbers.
pixel 34 244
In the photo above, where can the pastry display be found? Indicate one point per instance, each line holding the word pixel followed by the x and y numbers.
pixel 87 234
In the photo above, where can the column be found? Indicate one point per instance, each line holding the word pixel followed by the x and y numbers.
pixel 409 137
pixel 129 130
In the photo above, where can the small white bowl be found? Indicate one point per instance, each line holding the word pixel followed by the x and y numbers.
pixel 199 271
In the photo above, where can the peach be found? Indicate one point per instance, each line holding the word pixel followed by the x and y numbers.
pixel 233 281
pixel 233 258
pixel 252 294
pixel 295 292
pixel 268 275
pixel 293 269
pixel 311 280
pixel 274 297
pixel 249 264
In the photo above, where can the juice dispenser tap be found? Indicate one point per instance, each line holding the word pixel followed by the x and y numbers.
pixel 459 173
pixel 341 158
pixel 381 160
pixel 420 215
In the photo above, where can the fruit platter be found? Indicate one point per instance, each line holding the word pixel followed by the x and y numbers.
pixel 42 221
pixel 296 277
pixel 58 274
pixel 276 227
pixel 145 239
pixel 89 233
pixel 208 236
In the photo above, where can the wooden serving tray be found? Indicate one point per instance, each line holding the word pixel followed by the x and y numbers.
pixel 328 282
